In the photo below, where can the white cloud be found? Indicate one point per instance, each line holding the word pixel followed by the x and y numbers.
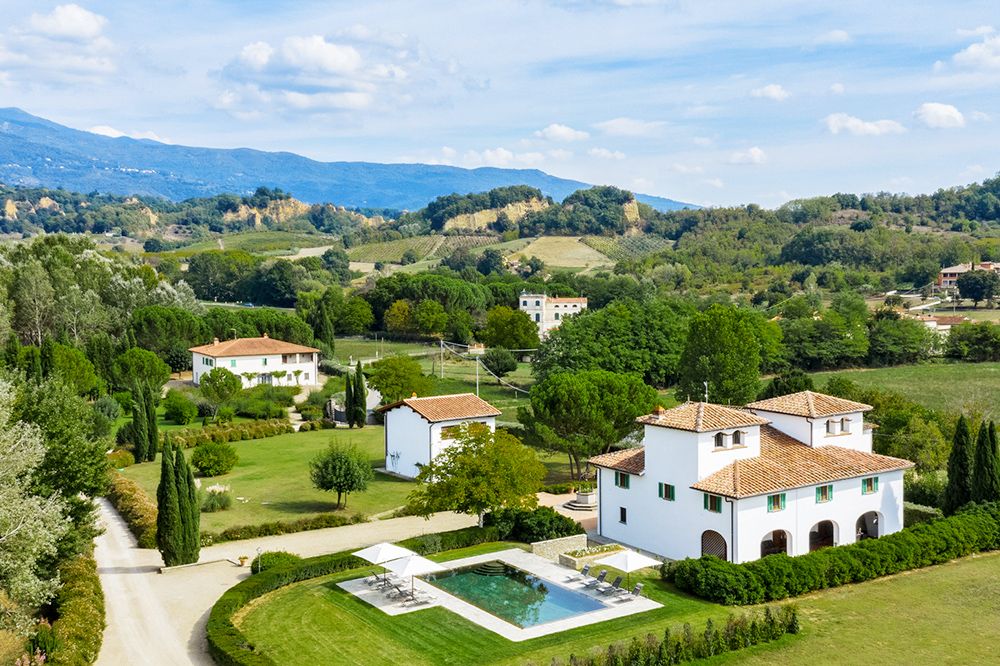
pixel 939 116
pixel 71 22
pixel 973 171
pixel 980 116
pixel 606 154
pixel 501 157
pixel 834 37
pixel 842 122
pixel 108 130
pixel 314 53
pixel 256 54
pixel 982 55
pixel 448 152
pixel 754 155
pixel 978 31
pixel 686 168
pixel 326 100
pixel 560 154
pixel 837 88
pixel 624 126
pixel 559 132
pixel 714 182
pixel 771 91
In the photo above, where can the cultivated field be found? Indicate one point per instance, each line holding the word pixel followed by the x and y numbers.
pixel 426 247
pixel 971 387
pixel 271 243
pixel 564 252
pixel 621 248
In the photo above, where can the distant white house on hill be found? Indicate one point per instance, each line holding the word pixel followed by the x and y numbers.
pixel 256 361
pixel 785 475
pixel 548 312
pixel 418 429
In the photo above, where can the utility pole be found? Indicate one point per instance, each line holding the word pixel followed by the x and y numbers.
pixel 706 391
pixel 477 376
pixel 441 342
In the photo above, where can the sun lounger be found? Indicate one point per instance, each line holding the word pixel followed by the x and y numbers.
pixel 635 593
pixel 582 575
pixel 401 593
pixel 594 582
pixel 608 589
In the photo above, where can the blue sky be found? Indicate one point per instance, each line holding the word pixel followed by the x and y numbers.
pixel 717 102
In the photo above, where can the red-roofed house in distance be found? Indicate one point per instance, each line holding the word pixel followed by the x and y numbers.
pixel 549 311
pixel 255 361
pixel 789 474
pixel 417 430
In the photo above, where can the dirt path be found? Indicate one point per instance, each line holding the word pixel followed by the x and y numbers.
pixel 159 619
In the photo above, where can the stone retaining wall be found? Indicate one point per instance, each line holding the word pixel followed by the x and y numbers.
pixel 553 548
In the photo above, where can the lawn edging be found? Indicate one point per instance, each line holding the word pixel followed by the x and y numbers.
pixel 227 644
pixel 973 530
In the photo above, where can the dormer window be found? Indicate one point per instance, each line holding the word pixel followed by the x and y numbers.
pixel 738 438
pixel 831 427
pixel 720 440
pixel 845 425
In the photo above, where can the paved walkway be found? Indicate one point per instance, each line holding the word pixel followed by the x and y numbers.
pixel 159 619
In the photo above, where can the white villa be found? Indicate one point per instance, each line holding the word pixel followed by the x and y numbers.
pixel 548 311
pixel 789 474
pixel 258 361
pixel 418 429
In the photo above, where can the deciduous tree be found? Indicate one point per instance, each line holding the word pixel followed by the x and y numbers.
pixel 499 361
pixel 343 469
pixel 509 328
pixel 722 349
pixel 219 386
pixel 398 377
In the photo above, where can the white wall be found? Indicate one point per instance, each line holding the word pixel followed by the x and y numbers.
pixel 546 314
pixel 307 363
pixel 813 431
pixel 416 440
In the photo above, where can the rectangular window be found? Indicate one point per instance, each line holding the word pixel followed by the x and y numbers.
pixel 667 492
pixel 824 494
pixel 869 486
pixel 232 363
pixel 621 480
pixel 307 376
pixel 776 502
pixel 713 503
pixel 263 361
pixel 448 432
pixel 831 427
pixel 524 304
pixel 622 515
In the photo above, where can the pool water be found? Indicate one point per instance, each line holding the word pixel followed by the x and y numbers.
pixel 512 594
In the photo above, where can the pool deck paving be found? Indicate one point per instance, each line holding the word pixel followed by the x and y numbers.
pixel 545 569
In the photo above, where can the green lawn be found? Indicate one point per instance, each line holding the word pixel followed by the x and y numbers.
pixel 951 386
pixel 366 348
pixel 944 614
pixel 273 477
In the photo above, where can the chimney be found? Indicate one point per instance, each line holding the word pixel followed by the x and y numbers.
pixel 215 341
pixel 265 335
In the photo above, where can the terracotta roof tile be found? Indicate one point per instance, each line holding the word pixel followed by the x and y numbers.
pixel 701 417
pixel 786 463
pixel 447 407
pixel 250 347
pixel 632 460
pixel 809 403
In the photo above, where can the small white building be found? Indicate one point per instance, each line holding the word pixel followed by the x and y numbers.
pixel 256 360
pixel 548 311
pixel 418 429
pixel 789 474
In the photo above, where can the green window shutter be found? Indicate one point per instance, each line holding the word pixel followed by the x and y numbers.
pixel 830 494
pixel 660 490
pixel 818 489
pixel 876 484
pixel 782 500
pixel 705 497
pixel 673 493
pixel 770 502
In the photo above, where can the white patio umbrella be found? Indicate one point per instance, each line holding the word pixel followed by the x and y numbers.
pixel 628 561
pixel 383 552
pixel 412 565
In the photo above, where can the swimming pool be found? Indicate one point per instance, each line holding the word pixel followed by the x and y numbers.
pixel 511 594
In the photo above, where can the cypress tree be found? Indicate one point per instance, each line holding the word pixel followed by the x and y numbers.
pixel 183 505
pixel 958 492
pixel 349 401
pixel 986 472
pixel 360 397
pixel 12 352
pixel 48 351
pixel 324 325
pixel 140 431
pixel 168 519
pixel 32 363
pixel 194 516
pixel 152 428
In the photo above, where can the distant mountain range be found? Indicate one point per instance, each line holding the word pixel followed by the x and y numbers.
pixel 35 152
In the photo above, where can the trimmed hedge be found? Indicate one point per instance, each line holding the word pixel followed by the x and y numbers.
pixel 530 525
pixel 319 522
pixel 737 634
pixel 80 605
pixel 273 559
pixel 779 576
pixel 914 514
pixel 227 644
pixel 120 459
pixel 233 432
pixel 214 458
pixel 135 507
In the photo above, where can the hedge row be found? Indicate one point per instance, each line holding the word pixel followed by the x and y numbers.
pixel 135 507
pixel 319 522
pixel 914 514
pixel 227 644
pixel 234 432
pixel 321 424
pixel 80 605
pixel 780 576
pixel 737 634
pixel 530 525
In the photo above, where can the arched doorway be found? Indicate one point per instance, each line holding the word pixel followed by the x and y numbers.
pixel 822 535
pixel 713 543
pixel 867 526
pixel 774 542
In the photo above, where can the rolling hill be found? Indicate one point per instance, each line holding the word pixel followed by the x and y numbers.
pixel 36 152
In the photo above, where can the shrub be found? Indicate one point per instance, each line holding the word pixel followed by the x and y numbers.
pixel 80 604
pixel 125 437
pixel 225 415
pixel 227 644
pixel 926 489
pixel 529 525
pixel 273 560
pixel 306 426
pixel 914 514
pixel 214 458
pixel 124 400
pixel 217 498
pixel 778 576
pixel 319 522
pixel 120 459
pixel 135 507
pixel 179 408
